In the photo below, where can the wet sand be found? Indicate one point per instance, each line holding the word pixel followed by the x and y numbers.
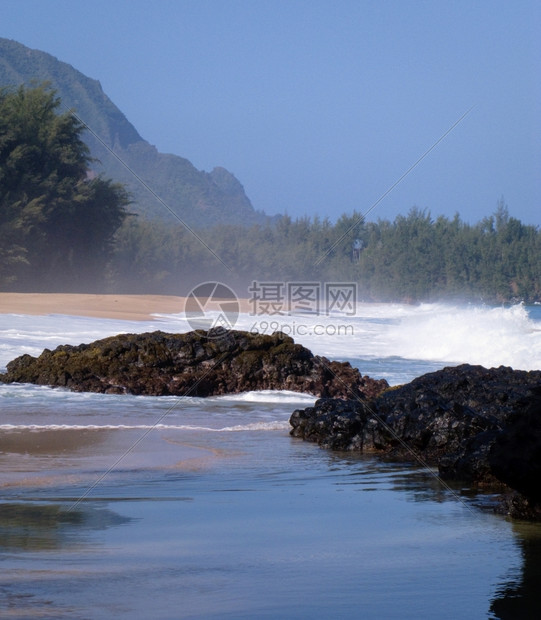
pixel 30 458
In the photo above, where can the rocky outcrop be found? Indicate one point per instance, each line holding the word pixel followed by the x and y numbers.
pixel 197 363
pixel 476 424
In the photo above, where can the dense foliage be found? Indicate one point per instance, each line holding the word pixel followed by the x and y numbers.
pixel 56 223
pixel 413 258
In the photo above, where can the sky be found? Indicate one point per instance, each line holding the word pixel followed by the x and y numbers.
pixel 321 107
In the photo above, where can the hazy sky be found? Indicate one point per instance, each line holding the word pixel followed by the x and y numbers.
pixel 319 107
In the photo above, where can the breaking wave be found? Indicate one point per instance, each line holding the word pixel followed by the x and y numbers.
pixel 476 335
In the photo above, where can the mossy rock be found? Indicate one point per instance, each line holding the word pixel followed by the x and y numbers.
pixel 196 363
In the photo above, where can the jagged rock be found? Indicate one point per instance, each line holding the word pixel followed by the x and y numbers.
pixel 476 424
pixel 197 363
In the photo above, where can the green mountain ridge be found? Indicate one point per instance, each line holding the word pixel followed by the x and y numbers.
pixel 197 197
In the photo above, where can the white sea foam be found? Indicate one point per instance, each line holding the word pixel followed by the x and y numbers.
pixel 486 336
pixel 430 332
pixel 276 425
pixel 270 396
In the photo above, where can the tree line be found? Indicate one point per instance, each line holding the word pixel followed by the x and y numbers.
pixel 63 230
pixel 413 258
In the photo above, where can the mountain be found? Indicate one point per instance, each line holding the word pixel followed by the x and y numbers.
pixel 199 198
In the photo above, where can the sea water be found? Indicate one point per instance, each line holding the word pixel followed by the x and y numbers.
pixel 158 507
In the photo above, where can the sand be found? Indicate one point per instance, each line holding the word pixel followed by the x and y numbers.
pixel 125 307
pixel 130 307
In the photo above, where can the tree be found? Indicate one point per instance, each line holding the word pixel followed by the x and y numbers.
pixel 56 222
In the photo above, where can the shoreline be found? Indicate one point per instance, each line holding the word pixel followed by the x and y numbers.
pixel 103 306
pixel 109 305
pixel 106 306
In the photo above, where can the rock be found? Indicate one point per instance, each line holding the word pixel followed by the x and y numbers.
pixel 515 456
pixel 197 363
pixel 476 424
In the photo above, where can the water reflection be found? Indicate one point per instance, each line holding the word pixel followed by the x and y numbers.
pixel 520 597
pixel 35 526
pixel 416 483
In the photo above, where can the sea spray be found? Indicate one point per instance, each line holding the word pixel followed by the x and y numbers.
pixel 435 333
pixel 476 335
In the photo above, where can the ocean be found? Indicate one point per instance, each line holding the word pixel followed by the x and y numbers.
pixel 119 506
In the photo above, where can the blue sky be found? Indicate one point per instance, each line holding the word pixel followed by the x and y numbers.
pixel 319 107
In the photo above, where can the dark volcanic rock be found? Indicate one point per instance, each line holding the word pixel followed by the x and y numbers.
pixel 198 363
pixel 476 424
pixel 515 456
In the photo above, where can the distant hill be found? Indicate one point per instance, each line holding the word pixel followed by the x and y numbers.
pixel 199 198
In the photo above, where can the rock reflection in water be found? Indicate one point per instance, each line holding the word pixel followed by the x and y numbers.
pixel 519 598
pixel 36 526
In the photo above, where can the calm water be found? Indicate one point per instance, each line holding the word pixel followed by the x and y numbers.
pixel 217 513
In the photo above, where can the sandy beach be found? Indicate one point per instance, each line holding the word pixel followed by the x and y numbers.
pixel 125 307
pixel 130 307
